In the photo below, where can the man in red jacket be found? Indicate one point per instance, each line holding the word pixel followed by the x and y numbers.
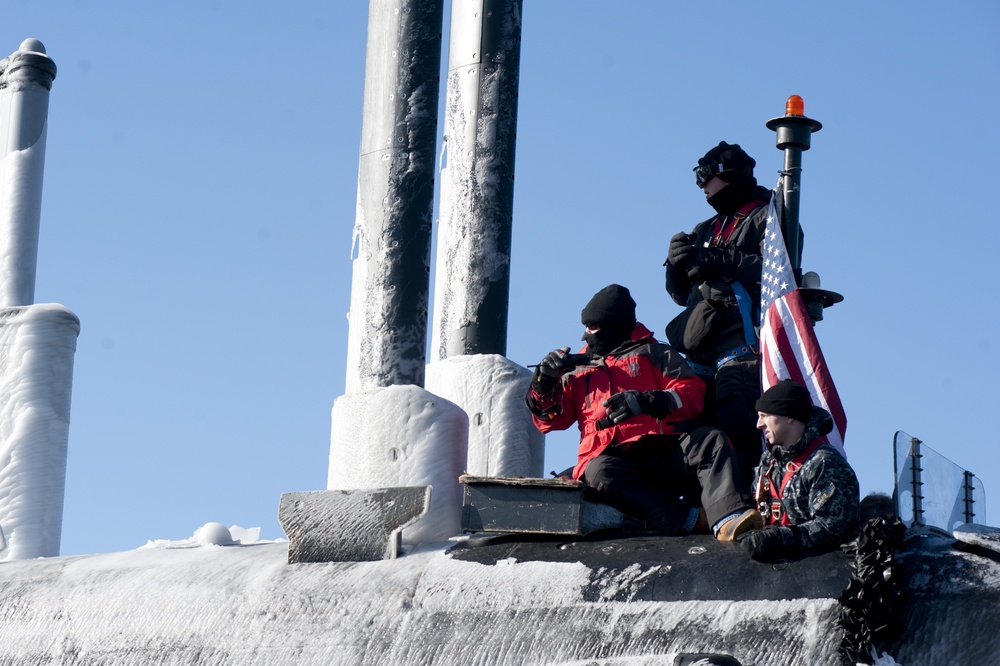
pixel 634 400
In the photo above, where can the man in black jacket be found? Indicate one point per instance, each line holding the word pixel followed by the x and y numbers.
pixel 806 491
pixel 714 272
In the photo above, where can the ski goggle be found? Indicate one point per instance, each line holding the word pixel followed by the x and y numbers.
pixel 706 172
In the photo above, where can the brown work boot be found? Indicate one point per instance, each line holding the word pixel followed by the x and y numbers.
pixel 746 521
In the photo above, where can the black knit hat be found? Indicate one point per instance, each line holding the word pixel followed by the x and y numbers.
pixel 729 162
pixel 786 398
pixel 611 307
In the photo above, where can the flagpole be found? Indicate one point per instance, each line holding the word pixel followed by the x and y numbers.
pixel 794 131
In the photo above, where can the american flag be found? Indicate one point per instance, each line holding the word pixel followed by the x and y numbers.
pixel 788 345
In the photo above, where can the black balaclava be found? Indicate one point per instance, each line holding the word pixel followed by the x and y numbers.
pixel 731 164
pixel 613 310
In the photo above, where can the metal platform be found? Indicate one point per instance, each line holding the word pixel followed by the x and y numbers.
pixel 533 506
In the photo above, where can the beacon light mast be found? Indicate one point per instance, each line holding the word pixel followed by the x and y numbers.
pixel 794 131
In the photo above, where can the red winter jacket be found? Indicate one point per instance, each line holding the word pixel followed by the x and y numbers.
pixel 641 364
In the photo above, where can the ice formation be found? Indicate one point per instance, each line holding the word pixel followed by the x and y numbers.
pixel 37 345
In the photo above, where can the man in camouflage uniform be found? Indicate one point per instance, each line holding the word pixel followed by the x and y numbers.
pixel 805 490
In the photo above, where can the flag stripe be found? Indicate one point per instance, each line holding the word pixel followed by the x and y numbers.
pixel 810 369
pixel 788 345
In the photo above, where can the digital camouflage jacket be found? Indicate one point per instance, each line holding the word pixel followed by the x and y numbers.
pixel 820 500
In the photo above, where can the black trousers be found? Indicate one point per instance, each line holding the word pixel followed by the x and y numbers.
pixel 730 398
pixel 659 478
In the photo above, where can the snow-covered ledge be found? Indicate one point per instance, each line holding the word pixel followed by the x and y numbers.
pixel 349 525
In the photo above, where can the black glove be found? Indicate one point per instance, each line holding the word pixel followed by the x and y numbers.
pixel 551 368
pixel 682 250
pixel 715 263
pixel 626 404
pixel 765 544
pixel 703 265
pixel 658 404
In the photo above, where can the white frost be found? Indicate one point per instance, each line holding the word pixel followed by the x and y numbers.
pixel 20 212
pixel 402 436
pixel 503 441
pixel 211 534
pixel 37 345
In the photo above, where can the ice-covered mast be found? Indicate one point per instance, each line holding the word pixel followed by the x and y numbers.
pixel 387 431
pixel 477 187
pixel 392 429
pixel 392 232
pixel 472 271
pixel 38 341
pixel 25 81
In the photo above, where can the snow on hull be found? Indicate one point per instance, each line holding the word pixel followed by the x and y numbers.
pixel 245 605
pixel 178 603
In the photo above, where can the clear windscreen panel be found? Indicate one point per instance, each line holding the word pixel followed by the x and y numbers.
pixel 933 491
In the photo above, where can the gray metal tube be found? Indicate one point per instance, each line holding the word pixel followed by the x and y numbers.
pixel 793 134
pixel 472 286
pixel 387 338
pixel 790 211
pixel 25 81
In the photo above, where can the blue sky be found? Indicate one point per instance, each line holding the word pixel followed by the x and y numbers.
pixel 200 190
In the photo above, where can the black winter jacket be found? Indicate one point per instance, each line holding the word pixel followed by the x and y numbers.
pixel 704 331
